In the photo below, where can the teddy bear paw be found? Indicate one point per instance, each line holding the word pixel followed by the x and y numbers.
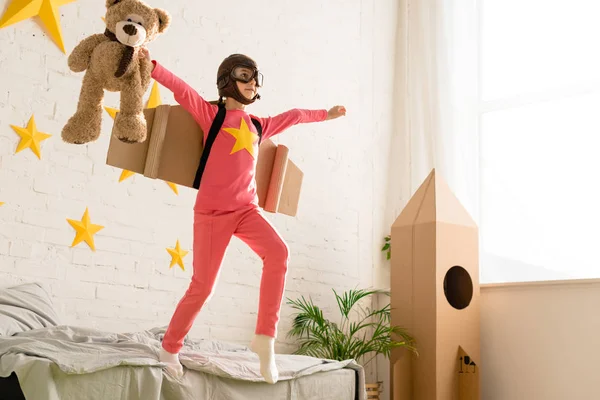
pixel 130 128
pixel 82 128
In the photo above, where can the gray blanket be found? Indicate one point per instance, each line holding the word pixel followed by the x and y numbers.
pixel 103 361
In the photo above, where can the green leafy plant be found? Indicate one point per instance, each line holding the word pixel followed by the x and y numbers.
pixel 367 335
pixel 387 247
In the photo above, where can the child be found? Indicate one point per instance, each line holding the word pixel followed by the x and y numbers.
pixel 227 204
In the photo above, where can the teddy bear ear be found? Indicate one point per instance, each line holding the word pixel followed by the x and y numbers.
pixel 110 3
pixel 164 19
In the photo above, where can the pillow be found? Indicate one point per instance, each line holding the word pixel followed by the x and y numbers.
pixel 25 307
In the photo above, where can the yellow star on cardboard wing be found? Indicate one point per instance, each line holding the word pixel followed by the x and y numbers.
pixel 46 10
pixel 177 256
pixel 30 137
pixel 85 230
pixel 244 138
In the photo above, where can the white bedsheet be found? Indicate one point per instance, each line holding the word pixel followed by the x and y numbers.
pixel 125 366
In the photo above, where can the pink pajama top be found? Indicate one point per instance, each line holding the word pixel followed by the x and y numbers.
pixel 228 182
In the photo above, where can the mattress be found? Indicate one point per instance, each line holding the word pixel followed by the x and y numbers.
pixel 68 362
pixel 119 383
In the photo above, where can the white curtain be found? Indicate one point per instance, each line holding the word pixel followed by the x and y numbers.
pixel 436 106
pixel 436 102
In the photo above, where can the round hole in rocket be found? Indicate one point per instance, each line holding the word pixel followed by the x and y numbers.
pixel 458 287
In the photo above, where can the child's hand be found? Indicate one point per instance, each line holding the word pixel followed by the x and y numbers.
pixel 336 112
pixel 144 53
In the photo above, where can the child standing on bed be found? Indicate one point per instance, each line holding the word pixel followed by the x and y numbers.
pixel 227 203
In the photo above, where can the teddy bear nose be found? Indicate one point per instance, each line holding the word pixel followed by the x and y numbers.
pixel 130 30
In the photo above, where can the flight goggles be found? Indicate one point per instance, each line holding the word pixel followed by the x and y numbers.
pixel 245 74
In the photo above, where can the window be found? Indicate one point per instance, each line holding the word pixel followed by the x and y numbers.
pixel 539 131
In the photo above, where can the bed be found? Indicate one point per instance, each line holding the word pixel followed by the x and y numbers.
pixel 42 359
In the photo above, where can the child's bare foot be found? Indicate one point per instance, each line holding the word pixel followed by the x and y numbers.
pixel 264 346
pixel 174 367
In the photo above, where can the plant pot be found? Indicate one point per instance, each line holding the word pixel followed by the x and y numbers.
pixel 373 390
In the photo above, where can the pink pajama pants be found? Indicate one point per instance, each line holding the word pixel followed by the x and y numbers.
pixel 212 234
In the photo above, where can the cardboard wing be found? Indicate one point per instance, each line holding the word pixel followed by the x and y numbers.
pixel 172 153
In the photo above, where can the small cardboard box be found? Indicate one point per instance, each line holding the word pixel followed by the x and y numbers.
pixel 172 153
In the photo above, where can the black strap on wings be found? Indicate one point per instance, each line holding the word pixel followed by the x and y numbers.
pixel 215 127
pixel 258 127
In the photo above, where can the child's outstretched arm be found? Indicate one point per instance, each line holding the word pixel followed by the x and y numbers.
pixel 202 111
pixel 277 124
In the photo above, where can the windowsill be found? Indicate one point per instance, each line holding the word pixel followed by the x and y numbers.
pixel 557 282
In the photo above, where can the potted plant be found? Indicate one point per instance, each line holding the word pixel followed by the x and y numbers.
pixel 387 246
pixel 361 334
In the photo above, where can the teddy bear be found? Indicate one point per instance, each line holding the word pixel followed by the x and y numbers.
pixel 111 62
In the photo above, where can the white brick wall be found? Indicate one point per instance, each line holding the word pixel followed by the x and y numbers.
pixel 313 54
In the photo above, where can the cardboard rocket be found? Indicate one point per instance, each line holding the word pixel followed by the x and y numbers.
pixel 435 296
pixel 173 149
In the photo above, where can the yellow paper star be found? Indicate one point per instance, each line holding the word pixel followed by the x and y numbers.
pixel 154 98
pixel 85 230
pixel 2 203
pixel 112 112
pixel 177 255
pixel 126 174
pixel 30 137
pixel 46 10
pixel 245 138
pixel 173 187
